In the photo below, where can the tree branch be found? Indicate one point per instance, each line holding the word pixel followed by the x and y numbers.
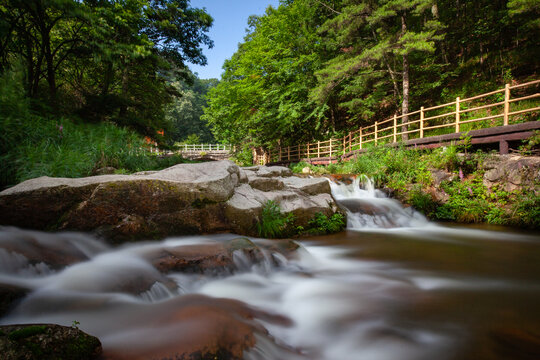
pixel 328 7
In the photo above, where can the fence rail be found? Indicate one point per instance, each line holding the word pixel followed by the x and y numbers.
pixel 204 147
pixel 492 109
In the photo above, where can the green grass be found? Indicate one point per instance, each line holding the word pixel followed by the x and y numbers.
pixel 273 223
pixel 32 145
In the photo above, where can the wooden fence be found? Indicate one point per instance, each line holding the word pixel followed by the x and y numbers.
pixel 204 148
pixel 487 110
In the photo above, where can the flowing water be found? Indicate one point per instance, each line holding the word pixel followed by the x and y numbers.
pixel 392 286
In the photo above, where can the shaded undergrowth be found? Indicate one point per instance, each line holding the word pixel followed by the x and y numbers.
pixel 33 145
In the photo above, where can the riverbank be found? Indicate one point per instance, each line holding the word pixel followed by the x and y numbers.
pixel 451 183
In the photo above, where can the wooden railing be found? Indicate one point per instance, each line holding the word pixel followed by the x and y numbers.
pixel 204 147
pixel 472 113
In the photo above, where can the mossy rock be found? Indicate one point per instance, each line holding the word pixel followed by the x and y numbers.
pixel 47 342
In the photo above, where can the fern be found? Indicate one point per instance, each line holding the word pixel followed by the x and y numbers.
pixel 273 223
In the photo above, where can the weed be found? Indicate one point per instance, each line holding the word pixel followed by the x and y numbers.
pixel 273 223
pixel 322 224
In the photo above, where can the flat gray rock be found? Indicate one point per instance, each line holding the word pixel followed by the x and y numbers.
pixel 311 186
pixel 183 199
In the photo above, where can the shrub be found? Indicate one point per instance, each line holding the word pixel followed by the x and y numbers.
pixel 322 224
pixel 422 201
pixel 273 223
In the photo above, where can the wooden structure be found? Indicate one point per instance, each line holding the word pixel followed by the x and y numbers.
pixel 508 114
pixel 206 151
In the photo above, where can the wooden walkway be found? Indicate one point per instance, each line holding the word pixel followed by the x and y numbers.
pixel 206 151
pixel 498 117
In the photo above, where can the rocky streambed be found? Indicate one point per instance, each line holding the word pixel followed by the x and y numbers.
pixel 206 198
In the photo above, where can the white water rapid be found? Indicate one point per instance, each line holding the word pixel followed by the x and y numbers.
pixel 369 208
pixel 392 287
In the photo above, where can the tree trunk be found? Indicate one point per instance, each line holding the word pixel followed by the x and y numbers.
pixel 107 78
pixel 405 102
pixel 51 75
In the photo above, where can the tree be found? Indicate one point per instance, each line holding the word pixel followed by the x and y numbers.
pixel 373 42
pixel 45 33
pixel 104 59
pixel 263 94
pixel 185 111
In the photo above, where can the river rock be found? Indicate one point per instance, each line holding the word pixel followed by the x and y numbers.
pixel 44 342
pixel 511 172
pixel 265 183
pixel 199 327
pixel 311 186
pixel 244 209
pixel 32 251
pixel 183 199
pixel 215 257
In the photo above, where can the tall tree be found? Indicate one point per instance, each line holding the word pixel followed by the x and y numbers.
pixel 45 33
pixel 111 59
pixel 262 96
pixel 185 111
pixel 374 41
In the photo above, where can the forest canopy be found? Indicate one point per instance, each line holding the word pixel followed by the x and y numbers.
pixel 103 60
pixel 312 69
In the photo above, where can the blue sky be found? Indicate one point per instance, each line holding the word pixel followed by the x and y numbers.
pixel 229 29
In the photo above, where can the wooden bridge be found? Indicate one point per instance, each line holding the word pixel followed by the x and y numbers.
pixel 495 118
pixel 205 151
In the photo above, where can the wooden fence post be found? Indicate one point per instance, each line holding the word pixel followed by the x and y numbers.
pixel 457 114
pixel 376 131
pixel 506 103
pixel 289 153
pixel 279 153
pixel 395 128
pixel 330 150
pixel 360 138
pixel 318 149
pixel 350 141
pixel 421 122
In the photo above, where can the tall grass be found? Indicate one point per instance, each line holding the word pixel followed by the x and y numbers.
pixel 32 145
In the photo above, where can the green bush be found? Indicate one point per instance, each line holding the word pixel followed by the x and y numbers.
pixel 468 201
pixel 526 211
pixel 273 223
pixel 322 224
pixel 244 155
pixel 422 201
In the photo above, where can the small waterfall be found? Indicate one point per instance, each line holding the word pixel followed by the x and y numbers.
pixel 369 208
pixel 157 292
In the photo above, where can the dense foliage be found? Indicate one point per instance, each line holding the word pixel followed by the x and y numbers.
pixel 32 145
pixel 409 173
pixel 314 69
pixel 83 81
pixel 185 112
pixel 103 60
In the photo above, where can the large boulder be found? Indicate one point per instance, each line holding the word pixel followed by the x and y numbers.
pixel 512 172
pixel 43 342
pixel 184 199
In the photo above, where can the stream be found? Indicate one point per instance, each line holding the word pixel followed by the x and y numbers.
pixel 392 286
